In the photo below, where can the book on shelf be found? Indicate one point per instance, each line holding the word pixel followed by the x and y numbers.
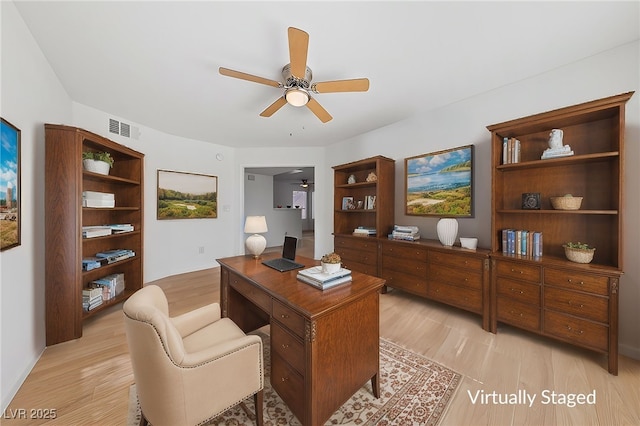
pixel 95 195
pixel 89 306
pixel 98 203
pixel 369 202
pixel 95 231
pixel 90 263
pixel 115 255
pixel 91 293
pixel 521 242
pixel 511 152
pixel 406 233
pixel 111 285
pixel 118 228
pixel 364 231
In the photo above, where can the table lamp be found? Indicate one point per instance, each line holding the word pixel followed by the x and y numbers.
pixel 256 243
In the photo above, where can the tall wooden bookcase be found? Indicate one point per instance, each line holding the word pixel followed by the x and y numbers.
pixel 549 295
pixel 361 253
pixel 65 180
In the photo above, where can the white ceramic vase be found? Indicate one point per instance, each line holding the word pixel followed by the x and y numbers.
pixel 447 229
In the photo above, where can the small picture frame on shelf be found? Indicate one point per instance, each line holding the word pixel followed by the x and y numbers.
pixel 531 201
pixel 347 203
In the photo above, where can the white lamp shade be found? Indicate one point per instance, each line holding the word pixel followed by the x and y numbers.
pixel 255 225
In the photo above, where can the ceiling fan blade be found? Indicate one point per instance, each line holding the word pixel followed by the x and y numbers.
pixel 355 85
pixel 298 47
pixel 318 110
pixel 271 109
pixel 248 77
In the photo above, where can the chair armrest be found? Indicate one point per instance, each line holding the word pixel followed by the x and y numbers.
pixel 221 351
pixel 193 321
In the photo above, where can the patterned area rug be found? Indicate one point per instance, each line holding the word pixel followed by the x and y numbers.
pixel 413 391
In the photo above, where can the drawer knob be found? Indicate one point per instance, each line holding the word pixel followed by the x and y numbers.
pixel 516 291
pixel 574 331
pixel 579 282
pixel 284 379
pixel 517 313
pixel 285 346
pixel 284 316
pixel 579 305
pixel 513 270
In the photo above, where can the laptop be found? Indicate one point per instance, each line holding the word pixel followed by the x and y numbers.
pixel 287 261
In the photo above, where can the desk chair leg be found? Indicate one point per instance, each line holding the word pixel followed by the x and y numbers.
pixel 257 401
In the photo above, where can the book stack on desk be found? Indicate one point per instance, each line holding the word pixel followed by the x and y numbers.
pixel 322 280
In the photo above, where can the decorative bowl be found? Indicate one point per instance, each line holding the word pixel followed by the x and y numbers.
pixel 469 243
pixel 566 203
pixel 579 255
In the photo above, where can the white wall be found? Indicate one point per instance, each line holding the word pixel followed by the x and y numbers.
pixel 609 73
pixel 31 95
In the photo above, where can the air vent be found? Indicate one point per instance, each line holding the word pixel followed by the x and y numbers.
pixel 114 126
pixel 125 130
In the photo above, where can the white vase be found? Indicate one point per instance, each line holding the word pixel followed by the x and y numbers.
pixel 447 229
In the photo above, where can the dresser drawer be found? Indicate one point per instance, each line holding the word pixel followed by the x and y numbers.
pixel 399 250
pixel 289 384
pixel 258 296
pixel 365 268
pixel 574 280
pixel 518 314
pixel 359 244
pixel 456 276
pixel 289 318
pixel 465 298
pixel 408 282
pixel 355 255
pixel 580 304
pixel 576 330
pixel 288 347
pixel 520 291
pixel 519 271
pixel 409 266
pixel 455 260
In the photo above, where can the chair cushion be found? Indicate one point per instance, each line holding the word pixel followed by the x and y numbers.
pixel 215 333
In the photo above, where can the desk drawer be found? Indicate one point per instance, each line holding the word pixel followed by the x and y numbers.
pixel 407 282
pixel 367 244
pixel 289 318
pixel 572 280
pixel 404 265
pixel 519 271
pixel 288 383
pixel 288 347
pixel 575 303
pixel 456 276
pixel 251 292
pixel 576 330
pixel 397 250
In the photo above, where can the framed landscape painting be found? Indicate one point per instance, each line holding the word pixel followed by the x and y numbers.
pixel 9 186
pixel 440 183
pixel 187 195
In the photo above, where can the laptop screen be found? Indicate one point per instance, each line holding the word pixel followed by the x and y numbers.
pixel 289 248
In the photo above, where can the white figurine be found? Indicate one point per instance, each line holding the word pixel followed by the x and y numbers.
pixel 556 148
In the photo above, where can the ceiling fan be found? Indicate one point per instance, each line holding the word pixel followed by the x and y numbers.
pixel 297 80
pixel 303 184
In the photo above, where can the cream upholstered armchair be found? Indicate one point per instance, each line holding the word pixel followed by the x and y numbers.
pixel 190 368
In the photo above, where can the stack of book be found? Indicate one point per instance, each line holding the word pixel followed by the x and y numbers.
pixel 362 231
pixel 95 231
pixel 98 199
pixel 407 233
pixel 118 228
pixel 115 255
pixel 91 298
pixel 510 150
pixel 91 263
pixel 521 242
pixel 322 280
pixel 110 286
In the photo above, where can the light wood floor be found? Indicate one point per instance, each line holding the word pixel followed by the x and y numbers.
pixel 87 380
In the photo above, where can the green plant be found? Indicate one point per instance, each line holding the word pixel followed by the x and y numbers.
pixel 99 156
pixel 579 245
pixel 331 258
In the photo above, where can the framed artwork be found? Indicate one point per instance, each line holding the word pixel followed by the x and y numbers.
pixel 10 186
pixel 440 183
pixel 347 203
pixel 187 195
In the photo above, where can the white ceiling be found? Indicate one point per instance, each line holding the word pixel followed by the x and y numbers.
pixel 156 63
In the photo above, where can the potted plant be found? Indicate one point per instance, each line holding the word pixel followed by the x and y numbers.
pixel 331 262
pixel 97 162
pixel 579 252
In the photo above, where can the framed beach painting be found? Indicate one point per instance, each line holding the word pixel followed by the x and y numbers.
pixel 440 183
pixel 187 195
pixel 9 186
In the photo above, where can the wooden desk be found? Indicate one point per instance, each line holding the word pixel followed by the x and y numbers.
pixel 324 344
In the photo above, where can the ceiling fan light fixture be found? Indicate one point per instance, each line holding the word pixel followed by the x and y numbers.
pixel 297 96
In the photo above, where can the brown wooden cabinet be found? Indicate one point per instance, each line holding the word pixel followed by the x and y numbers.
pixel 451 275
pixel 576 303
pixel 65 181
pixel 373 207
